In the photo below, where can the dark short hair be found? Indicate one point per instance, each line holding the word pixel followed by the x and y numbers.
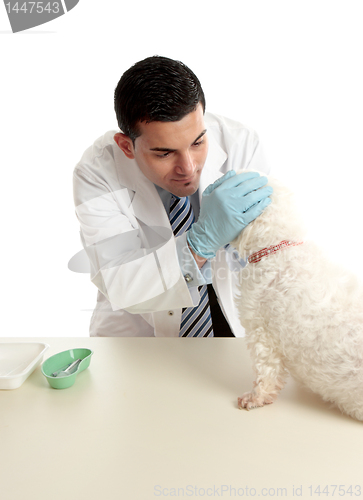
pixel 156 89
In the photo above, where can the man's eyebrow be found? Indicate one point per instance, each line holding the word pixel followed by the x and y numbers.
pixel 168 150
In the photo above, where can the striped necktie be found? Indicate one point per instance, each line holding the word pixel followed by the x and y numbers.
pixel 195 321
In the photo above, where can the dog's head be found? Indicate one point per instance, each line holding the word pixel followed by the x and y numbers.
pixel 279 221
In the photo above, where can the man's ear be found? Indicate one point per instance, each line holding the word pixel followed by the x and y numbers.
pixel 125 144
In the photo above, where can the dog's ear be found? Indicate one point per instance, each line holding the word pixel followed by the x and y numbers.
pixel 246 240
pixel 279 221
pixel 243 243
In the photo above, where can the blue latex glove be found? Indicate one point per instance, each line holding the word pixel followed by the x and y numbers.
pixel 228 206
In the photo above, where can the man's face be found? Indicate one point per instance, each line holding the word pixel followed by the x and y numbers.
pixel 170 154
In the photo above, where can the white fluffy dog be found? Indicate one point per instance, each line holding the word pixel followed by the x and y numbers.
pixel 302 314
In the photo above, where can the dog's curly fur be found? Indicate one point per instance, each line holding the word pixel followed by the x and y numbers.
pixel 302 314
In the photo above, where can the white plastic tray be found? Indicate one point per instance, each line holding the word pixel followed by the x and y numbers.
pixel 18 361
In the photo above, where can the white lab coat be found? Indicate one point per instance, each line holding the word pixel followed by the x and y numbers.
pixel 126 233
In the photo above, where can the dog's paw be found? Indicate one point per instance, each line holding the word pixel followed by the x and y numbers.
pixel 250 400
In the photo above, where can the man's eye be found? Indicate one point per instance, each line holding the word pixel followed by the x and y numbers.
pixel 164 155
pixel 198 143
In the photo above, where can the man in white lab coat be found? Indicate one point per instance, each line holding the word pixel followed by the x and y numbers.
pixel 123 187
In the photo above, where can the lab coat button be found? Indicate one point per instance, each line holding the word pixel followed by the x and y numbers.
pixel 170 313
pixel 188 278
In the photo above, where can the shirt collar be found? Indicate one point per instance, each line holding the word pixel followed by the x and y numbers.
pixel 165 197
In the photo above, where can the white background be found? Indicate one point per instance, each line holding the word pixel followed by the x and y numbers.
pixel 291 70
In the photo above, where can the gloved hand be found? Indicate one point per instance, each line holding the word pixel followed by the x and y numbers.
pixel 228 205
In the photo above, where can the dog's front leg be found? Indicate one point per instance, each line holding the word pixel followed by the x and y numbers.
pixel 271 377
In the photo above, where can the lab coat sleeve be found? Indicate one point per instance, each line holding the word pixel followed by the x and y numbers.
pixel 242 143
pixel 136 267
pixel 246 153
pixel 258 161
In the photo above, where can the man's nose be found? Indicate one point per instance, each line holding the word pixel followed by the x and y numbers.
pixel 185 164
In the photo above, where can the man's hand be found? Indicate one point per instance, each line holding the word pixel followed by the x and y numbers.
pixel 228 206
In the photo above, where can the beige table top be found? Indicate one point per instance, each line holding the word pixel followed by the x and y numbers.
pixel 158 418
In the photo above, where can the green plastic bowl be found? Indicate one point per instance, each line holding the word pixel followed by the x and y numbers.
pixel 61 359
